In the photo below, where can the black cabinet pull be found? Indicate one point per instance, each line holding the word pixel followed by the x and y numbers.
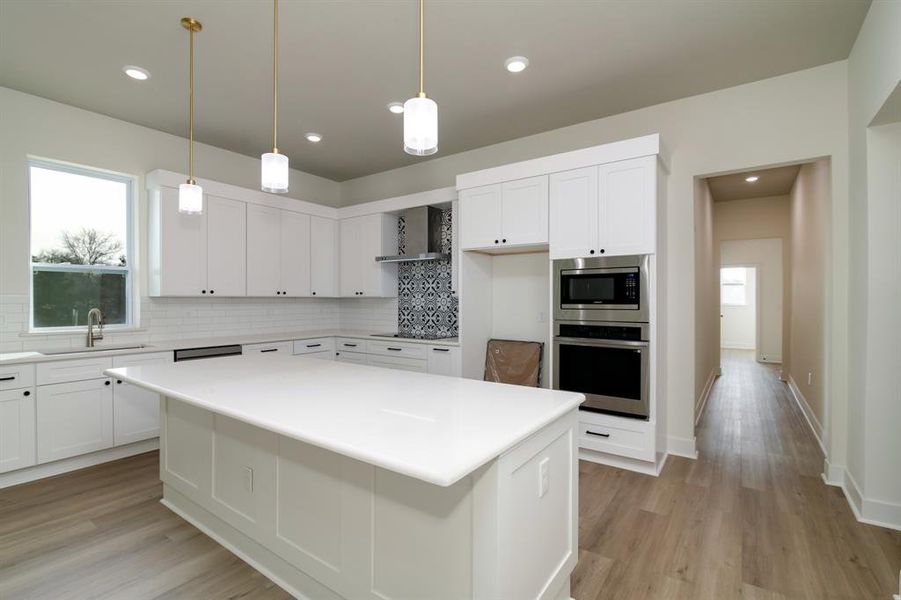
pixel 602 250
pixel 313 345
pixel 284 293
pixel 118 381
pixel 203 291
pixel 395 349
pixel 269 350
pixel 10 378
pixel 314 293
pixel 504 240
pixel 441 349
pixel 591 252
pixel 278 293
pixel 346 345
pixel 212 291
pixel 603 435
pixel 26 393
pixel 107 382
pixel 496 242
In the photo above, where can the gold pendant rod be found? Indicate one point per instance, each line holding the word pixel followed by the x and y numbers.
pixel 421 48
pixel 275 76
pixel 192 26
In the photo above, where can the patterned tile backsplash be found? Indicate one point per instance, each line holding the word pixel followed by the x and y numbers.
pixel 425 304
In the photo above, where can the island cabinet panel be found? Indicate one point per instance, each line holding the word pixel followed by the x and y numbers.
pixel 325 525
pixel 136 411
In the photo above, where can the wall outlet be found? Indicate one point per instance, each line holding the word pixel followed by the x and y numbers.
pixel 543 477
pixel 542 317
pixel 248 480
pixel 809 377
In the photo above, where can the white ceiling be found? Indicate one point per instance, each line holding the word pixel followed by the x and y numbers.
pixel 343 60
pixel 777 181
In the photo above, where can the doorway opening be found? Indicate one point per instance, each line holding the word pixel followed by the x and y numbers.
pixel 738 308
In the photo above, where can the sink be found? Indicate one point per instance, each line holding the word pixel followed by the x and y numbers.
pixel 94 349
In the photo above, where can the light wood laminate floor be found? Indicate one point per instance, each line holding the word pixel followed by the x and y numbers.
pixel 751 518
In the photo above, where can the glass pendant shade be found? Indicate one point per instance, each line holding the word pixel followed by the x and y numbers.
pixel 274 174
pixel 420 126
pixel 190 198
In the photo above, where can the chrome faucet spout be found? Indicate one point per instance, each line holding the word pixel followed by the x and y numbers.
pixel 93 314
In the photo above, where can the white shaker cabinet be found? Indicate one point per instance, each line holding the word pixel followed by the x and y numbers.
pixel 362 239
pixel 74 418
pixel 136 411
pixel 197 255
pixel 323 257
pixel 17 429
pixel 574 213
pixel 609 210
pixel 444 360
pixel 510 214
pixel 627 208
pixel 278 252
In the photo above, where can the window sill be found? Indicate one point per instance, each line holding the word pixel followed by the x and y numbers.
pixel 79 331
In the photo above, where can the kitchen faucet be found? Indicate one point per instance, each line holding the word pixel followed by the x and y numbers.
pixel 94 312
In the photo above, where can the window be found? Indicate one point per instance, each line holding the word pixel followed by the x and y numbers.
pixel 80 245
pixel 734 286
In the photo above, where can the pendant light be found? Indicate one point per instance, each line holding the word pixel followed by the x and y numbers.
pixel 420 112
pixel 274 172
pixel 190 195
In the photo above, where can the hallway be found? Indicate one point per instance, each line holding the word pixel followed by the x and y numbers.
pixel 751 518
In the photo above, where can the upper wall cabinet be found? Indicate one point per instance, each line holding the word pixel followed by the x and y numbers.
pixel 509 214
pixel 197 255
pixel 278 252
pixel 323 257
pixel 362 239
pixel 608 210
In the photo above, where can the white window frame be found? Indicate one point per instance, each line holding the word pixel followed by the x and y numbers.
pixel 743 284
pixel 130 245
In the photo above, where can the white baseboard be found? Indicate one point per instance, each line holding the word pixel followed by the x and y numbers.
pixel 701 402
pixel 811 418
pixel 736 346
pixel 772 359
pixel 619 462
pixel 866 510
pixel 680 446
pixel 76 462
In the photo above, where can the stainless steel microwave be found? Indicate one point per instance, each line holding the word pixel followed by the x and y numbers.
pixel 602 289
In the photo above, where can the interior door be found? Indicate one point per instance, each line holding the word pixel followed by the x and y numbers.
pixel 480 214
pixel 226 247
pixel 574 213
pixel 183 248
pixel 295 254
pixel 264 252
pixel 627 208
pixel 525 211
pixel 323 257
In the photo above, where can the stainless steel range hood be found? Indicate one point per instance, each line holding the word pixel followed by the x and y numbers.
pixel 423 236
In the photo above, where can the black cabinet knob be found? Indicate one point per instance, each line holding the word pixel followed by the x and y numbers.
pixel 212 291
pixel 496 242
pixel 602 250
pixel 107 382
pixel 284 293
pixel 504 240
pixel 203 292
pixel 314 293
pixel 591 252
pixel 26 393
pixel 278 293
pixel 118 381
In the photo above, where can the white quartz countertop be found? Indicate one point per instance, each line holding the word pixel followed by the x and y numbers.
pixel 116 349
pixel 433 428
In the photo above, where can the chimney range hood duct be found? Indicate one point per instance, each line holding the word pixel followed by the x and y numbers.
pixel 423 236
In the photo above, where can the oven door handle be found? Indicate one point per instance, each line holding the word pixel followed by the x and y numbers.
pixel 601 343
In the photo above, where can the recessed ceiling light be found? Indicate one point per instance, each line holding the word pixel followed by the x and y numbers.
pixel 752 178
pixel 396 107
pixel 136 72
pixel 516 64
pixel 313 137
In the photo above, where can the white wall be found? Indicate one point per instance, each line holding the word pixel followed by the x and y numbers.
pixel 766 256
pixel 782 120
pixel 871 438
pixel 32 126
pixel 739 322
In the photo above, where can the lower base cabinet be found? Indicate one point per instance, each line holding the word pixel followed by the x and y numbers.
pixel 74 418
pixel 356 358
pixel 136 411
pixel 17 431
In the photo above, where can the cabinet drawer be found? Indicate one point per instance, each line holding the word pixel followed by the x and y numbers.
pixel 273 348
pixel 350 344
pixel 16 376
pixel 356 358
pixel 314 345
pixel 395 349
pixel 633 443
pixel 72 370
pixel 399 363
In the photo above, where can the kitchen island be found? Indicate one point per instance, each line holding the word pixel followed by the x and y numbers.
pixel 349 481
